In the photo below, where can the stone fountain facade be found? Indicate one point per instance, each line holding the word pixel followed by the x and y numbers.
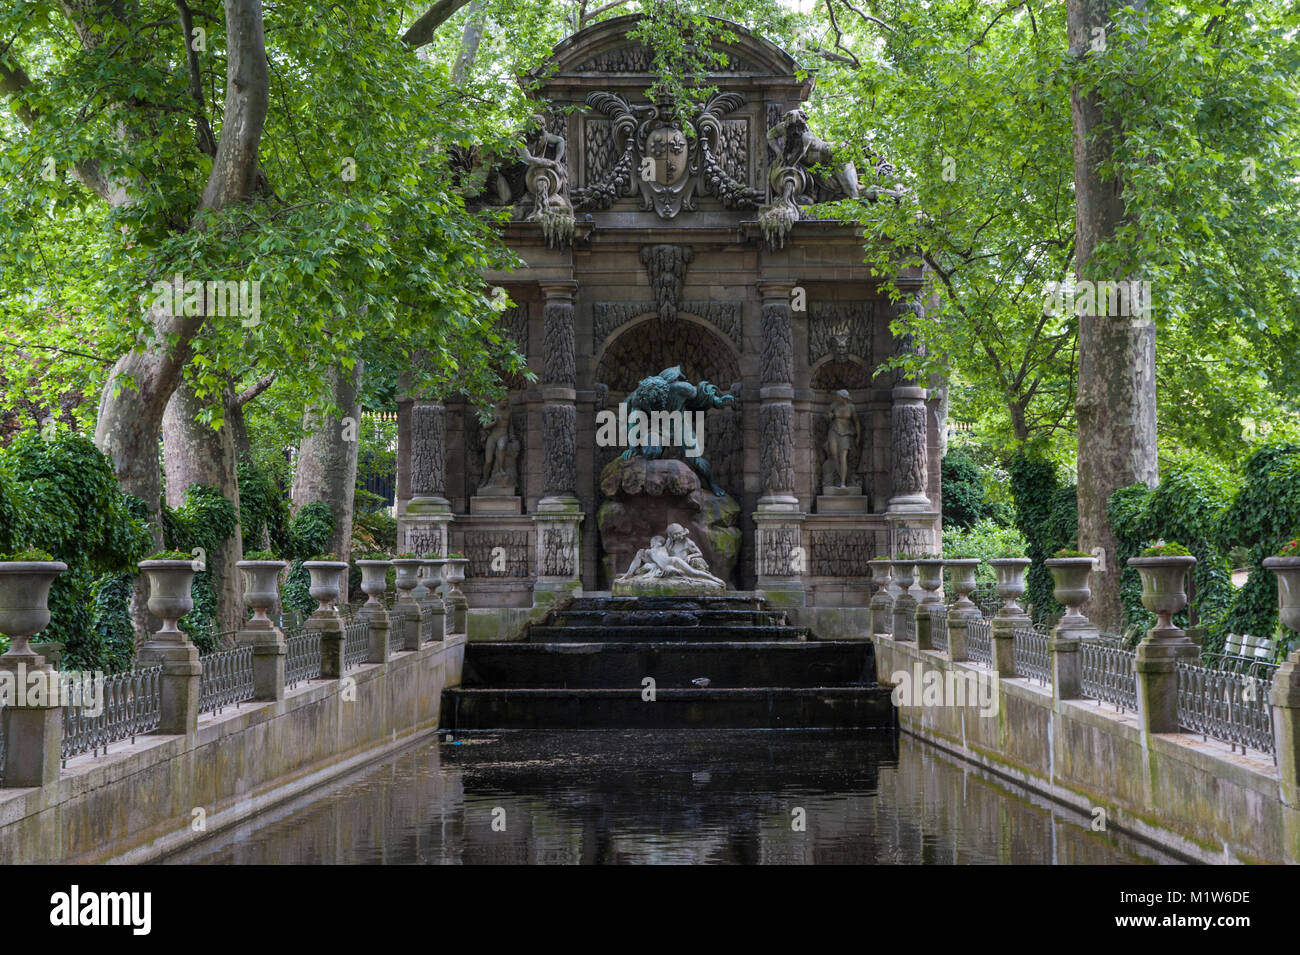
pixel 647 247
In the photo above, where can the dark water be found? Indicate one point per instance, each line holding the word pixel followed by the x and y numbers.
pixel 670 797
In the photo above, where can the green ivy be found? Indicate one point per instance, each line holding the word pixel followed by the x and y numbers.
pixel 60 494
pixel 1047 515
pixel 263 508
pixel 310 530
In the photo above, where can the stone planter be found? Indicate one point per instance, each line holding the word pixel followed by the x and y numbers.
pixel 1164 590
pixel 408 569
pixel 374 581
pixel 453 572
pixel 1071 590
pixel 1287 570
pixel 261 589
pixel 1010 584
pixel 24 605
pixel 931 571
pixel 169 595
pixel 430 578
pixel 902 573
pixel 879 575
pixel 325 583
pixel 963 584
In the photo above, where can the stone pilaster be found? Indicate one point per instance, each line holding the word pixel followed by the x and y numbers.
pixel 559 515
pixel 423 529
pixel 380 621
pixel 780 554
pixel 909 454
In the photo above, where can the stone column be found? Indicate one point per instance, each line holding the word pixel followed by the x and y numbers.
pixel 780 553
pixel 428 513
pixel 909 457
pixel 559 515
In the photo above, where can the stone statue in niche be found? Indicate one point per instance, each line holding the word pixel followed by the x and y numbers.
pixel 842 437
pixel 547 182
pixel 500 453
pixel 672 561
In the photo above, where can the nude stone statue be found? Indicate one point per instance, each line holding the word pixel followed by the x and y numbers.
pixel 843 436
pixel 497 470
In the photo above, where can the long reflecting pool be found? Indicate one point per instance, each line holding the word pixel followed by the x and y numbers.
pixel 670 797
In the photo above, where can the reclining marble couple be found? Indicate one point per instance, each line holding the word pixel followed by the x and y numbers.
pixel 672 558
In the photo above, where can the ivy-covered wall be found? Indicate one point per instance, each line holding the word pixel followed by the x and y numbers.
pixel 1047 514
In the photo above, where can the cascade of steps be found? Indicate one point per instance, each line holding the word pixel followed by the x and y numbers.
pixel 584 667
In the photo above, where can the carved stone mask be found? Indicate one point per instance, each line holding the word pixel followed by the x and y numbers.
pixel 840 345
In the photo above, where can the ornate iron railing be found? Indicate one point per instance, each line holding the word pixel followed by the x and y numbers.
pixel 396 631
pixel 302 659
pixel 226 680
pixel 426 620
pixel 939 628
pixel 356 641
pixel 905 626
pixel 985 596
pixel 979 640
pixel 1032 660
pixel 1227 706
pixel 128 705
pixel 1107 672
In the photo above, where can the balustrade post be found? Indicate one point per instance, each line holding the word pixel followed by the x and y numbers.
pixel 882 604
pixel 1072 590
pixel 1284 697
pixel 407 581
pixel 1156 660
pixel 930 570
pixel 170 647
pixel 904 616
pixel 262 592
pixel 325 620
pixel 33 732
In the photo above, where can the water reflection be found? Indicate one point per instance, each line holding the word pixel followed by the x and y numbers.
pixel 670 797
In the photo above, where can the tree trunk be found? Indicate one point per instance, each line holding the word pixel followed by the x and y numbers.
pixel 326 469
pixel 470 38
pixel 195 453
pixel 1116 403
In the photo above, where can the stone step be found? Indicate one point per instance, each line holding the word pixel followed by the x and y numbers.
pixel 672 665
pixel 735 600
pixel 737 708
pixel 552 634
pixel 668 618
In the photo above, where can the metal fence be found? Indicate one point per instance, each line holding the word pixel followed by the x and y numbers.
pixel 979 640
pixel 396 631
pixel 985 596
pixel 427 620
pixel 226 680
pixel 905 626
pixel 939 628
pixel 302 660
pixel 356 641
pixel 1107 672
pixel 1227 706
pixel 126 706
pixel 1031 654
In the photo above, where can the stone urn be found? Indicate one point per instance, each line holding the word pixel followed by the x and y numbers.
pixel 901 572
pixel 430 578
pixel 325 583
pixel 1164 590
pixel 1071 589
pixel 879 575
pixel 453 572
pixel 1010 583
pixel 408 570
pixel 261 589
pixel 169 594
pixel 1287 570
pixel 931 572
pixel 963 584
pixel 374 582
pixel 24 605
